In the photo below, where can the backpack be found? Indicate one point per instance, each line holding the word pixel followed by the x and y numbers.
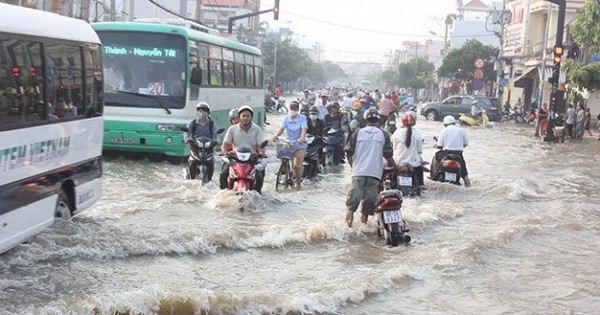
pixel 211 125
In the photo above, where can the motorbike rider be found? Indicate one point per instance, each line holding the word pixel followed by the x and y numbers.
pixel 336 120
pixel 245 134
pixel 202 126
pixel 476 111
pixel 366 150
pixel 408 145
pixel 386 106
pixel 322 106
pixel 452 140
pixel 234 116
pixel 316 126
pixel 295 125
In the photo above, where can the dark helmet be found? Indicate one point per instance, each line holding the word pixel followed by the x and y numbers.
pixel 314 109
pixel 371 115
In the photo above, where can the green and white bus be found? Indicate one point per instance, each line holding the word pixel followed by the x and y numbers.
pixel 155 74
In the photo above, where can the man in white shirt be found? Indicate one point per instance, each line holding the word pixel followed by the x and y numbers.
pixel 570 121
pixel 452 140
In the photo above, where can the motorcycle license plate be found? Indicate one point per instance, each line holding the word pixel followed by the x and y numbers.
pixel 405 181
pixel 451 177
pixel 392 216
pixel 122 140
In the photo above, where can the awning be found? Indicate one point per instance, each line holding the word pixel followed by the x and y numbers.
pixel 520 80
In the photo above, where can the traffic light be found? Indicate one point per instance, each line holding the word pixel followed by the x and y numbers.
pixel 555 73
pixel 558 52
pixel 276 10
pixel 16 72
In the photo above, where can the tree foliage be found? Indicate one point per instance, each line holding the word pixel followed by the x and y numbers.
pixel 294 63
pixel 416 74
pixel 586 27
pixel 586 31
pixel 459 64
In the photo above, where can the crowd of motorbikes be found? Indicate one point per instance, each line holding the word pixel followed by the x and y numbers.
pixel 324 151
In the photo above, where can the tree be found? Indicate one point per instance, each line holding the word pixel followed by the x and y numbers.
pixel 459 64
pixel 416 74
pixel 586 31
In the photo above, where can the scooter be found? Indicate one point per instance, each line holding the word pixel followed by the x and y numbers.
pixel 390 224
pixel 201 157
pixel 448 170
pixel 330 151
pixel 468 120
pixel 311 163
pixel 243 165
pixel 390 124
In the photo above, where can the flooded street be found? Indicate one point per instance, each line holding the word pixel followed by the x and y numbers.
pixel 522 240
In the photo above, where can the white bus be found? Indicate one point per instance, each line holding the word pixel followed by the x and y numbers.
pixel 50 120
pixel 155 74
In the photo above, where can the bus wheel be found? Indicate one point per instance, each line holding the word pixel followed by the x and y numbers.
pixel 63 207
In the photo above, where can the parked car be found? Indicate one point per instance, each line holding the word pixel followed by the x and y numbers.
pixel 457 104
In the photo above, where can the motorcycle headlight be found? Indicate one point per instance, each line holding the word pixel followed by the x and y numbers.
pixel 207 145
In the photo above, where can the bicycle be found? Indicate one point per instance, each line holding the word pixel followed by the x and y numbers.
pixel 285 152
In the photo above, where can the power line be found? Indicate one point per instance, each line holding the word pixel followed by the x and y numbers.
pixel 212 7
pixel 176 14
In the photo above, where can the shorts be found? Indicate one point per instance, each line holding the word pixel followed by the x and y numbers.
pixel 439 155
pixel 365 189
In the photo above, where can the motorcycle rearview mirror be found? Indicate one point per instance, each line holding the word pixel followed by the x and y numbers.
pixel 196 78
pixel 220 131
pixel 184 129
pixel 264 144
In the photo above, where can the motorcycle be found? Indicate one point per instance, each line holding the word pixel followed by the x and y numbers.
pixel 311 163
pixel 390 224
pixel 448 170
pixel 390 124
pixel 468 120
pixel 273 104
pixel 243 164
pixel 519 115
pixel 531 117
pixel 330 152
pixel 408 183
pixel 201 157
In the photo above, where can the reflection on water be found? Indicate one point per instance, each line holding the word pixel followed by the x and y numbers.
pixel 522 240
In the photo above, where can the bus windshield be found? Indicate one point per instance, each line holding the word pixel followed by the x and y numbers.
pixel 141 65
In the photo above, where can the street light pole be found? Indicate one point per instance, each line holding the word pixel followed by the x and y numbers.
pixel 275 61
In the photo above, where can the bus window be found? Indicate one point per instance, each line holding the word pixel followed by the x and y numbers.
pixel 239 74
pixel 249 76
pixel 258 77
pixel 92 105
pixel 215 72
pixel 228 73
pixel 20 76
pixel 64 75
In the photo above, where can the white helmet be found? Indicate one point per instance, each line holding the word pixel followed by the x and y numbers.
pixel 203 105
pixel 245 107
pixel 449 120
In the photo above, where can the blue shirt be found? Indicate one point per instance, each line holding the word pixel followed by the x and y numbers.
pixel 293 128
pixel 202 130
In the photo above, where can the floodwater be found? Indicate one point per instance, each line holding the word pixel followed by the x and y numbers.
pixel 522 240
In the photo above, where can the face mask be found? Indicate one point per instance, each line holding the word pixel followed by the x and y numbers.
pixel 314 116
pixel 201 115
pixel 293 113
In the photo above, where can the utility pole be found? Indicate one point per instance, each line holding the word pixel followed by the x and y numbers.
pixel 558 51
pixel 543 71
pixel 85 10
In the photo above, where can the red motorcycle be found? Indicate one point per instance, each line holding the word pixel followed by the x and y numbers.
pixel 391 226
pixel 243 165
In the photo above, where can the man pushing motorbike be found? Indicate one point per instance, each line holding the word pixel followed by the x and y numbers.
pixel 202 126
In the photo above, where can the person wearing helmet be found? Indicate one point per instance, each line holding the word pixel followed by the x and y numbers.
pixel 409 101
pixel 452 140
pixel 408 145
pixel 201 126
pixel 234 116
pixel 348 101
pixel 336 120
pixel 476 111
pixel 316 126
pixel 295 126
pixel 366 150
pixel 369 100
pixel 244 134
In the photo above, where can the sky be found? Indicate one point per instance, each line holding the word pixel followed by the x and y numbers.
pixel 355 30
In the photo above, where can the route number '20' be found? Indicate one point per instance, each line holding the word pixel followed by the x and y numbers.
pixel 156 88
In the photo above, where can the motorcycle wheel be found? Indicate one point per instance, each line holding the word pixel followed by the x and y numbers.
pixel 203 174
pixel 393 235
pixel 282 109
pixel 282 176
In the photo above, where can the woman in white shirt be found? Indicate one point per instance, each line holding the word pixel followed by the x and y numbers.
pixel 408 145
